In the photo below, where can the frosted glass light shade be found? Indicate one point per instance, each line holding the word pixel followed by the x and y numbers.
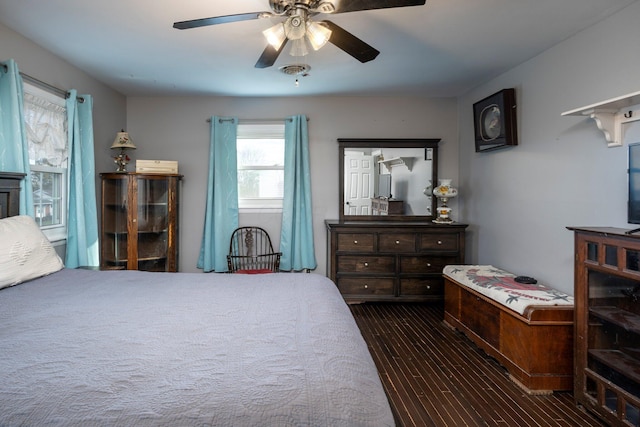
pixel 298 48
pixel 318 35
pixel 275 35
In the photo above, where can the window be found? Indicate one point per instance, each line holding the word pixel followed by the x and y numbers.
pixel 260 149
pixel 46 127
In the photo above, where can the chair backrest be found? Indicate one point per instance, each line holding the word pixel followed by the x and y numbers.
pixel 250 250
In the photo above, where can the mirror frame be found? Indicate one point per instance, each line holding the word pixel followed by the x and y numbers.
pixel 348 143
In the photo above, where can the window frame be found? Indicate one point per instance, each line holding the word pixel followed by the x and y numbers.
pixel 262 130
pixel 56 232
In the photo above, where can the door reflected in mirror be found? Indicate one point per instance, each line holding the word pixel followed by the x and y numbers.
pixel 384 179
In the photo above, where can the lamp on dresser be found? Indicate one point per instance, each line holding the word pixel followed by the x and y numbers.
pixel 122 142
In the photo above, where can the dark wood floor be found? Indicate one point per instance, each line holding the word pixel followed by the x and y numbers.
pixel 434 376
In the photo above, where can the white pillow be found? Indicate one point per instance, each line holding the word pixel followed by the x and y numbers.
pixel 25 252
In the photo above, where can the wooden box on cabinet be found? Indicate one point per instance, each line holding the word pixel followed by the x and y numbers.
pixel 607 324
pixel 391 261
pixel 139 227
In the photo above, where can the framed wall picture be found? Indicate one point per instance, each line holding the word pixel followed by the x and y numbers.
pixel 495 121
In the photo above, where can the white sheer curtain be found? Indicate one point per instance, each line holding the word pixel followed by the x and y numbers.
pixel 46 127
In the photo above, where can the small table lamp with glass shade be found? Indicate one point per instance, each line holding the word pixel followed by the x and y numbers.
pixel 444 191
pixel 122 142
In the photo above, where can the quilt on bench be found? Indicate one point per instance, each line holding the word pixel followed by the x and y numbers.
pixel 501 287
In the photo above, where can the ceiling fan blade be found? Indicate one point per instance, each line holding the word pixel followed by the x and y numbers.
pixel 355 5
pixel 350 43
pixel 269 56
pixel 203 22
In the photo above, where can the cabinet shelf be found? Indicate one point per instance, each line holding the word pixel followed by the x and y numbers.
pixel 114 260
pixel 611 115
pixel 626 320
pixel 619 362
pixel 164 230
pixel 151 258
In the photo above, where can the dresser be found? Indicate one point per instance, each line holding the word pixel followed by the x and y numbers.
pixel 139 228
pixel 391 261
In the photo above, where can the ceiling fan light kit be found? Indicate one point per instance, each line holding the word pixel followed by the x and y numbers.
pixel 318 34
pixel 275 35
pixel 299 26
pixel 298 48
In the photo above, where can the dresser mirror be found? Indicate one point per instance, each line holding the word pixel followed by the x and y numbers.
pixel 387 179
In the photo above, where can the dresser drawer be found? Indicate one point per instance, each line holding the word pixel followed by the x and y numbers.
pixel 355 242
pixel 432 286
pixel 425 264
pixel 397 242
pixel 392 260
pixel 366 264
pixel 366 286
pixel 439 242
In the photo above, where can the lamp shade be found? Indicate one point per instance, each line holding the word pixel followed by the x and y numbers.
pixel 275 35
pixel 123 141
pixel 318 35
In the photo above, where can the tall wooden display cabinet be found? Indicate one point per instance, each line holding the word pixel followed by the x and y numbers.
pixel 139 226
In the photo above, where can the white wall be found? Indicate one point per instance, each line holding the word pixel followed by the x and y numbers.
pixel 520 200
pixel 174 128
pixel 109 106
pixel 109 114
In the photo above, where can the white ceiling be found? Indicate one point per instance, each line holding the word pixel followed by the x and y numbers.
pixel 441 49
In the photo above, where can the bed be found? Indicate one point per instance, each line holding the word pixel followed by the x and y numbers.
pixel 83 347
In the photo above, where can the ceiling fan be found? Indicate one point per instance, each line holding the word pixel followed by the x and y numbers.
pixel 299 26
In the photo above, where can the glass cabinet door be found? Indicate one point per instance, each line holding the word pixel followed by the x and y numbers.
pixel 607 347
pixel 139 221
pixel 614 342
pixel 114 223
pixel 153 224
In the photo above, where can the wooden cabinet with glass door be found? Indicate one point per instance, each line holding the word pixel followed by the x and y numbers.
pixel 139 228
pixel 607 323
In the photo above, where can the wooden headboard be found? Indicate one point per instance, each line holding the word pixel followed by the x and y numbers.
pixel 10 193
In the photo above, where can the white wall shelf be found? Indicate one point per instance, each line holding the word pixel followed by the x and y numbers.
pixel 611 116
pixel 397 161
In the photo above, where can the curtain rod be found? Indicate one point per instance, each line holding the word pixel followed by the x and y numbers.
pixel 253 120
pixel 46 86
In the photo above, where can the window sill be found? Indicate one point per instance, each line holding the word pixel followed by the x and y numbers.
pixel 260 210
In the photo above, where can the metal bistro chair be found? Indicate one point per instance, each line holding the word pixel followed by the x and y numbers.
pixel 251 252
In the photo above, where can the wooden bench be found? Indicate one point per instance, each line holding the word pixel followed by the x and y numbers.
pixel 528 329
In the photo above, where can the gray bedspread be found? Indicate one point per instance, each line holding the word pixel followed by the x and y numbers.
pixel 134 348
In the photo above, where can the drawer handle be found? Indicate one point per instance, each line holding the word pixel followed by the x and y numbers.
pixel 439 242
pixel 428 286
pixel 366 286
pixel 355 242
pixel 366 264
pixel 397 242
pixel 428 264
